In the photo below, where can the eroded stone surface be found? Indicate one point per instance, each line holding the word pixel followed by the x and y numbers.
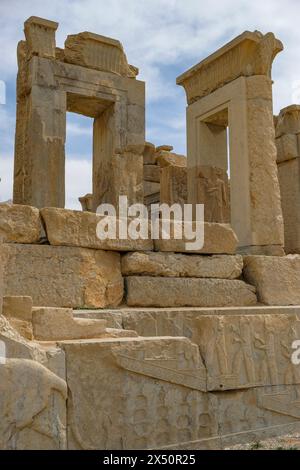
pixel 19 224
pixel 75 228
pixel 157 381
pixel 218 239
pixel 18 307
pixel 181 265
pixel 277 278
pixel 33 407
pixel 53 324
pixel 63 276
pixel 149 291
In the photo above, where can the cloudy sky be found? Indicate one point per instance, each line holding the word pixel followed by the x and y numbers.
pixel 161 37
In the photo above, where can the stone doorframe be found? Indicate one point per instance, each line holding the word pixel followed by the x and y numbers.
pixel 232 89
pixel 90 76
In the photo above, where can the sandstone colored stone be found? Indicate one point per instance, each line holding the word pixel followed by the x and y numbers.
pixel 165 158
pixel 255 414
pixel 86 202
pixel 150 188
pixel 104 88
pixel 63 276
pixel 32 407
pixel 173 185
pixel 166 148
pixel 97 52
pixel 248 351
pixel 23 327
pixel 151 387
pixel 146 291
pixel 54 324
pixel 288 120
pixel 149 154
pixel 181 265
pixel 287 147
pixel 250 53
pixel 18 307
pixel 19 224
pixel 40 36
pixel 17 346
pixel 152 173
pixel 218 239
pixel 232 88
pixel 242 347
pixel 277 279
pixel 78 229
pixel 213 191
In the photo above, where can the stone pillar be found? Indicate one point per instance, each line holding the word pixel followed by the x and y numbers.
pixel 288 163
pixel 232 89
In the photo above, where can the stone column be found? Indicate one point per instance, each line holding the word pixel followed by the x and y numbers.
pixel 232 89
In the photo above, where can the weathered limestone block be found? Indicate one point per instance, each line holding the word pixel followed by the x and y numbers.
pixel 180 265
pixel 112 321
pixel 173 185
pixel 164 147
pixel 250 53
pixel 265 190
pixel 18 310
pixel 76 228
pixel 32 407
pixel 54 324
pixel 152 173
pixel 149 154
pixel 2 264
pixel 242 347
pixel 233 88
pixel 289 180
pixel 86 202
pixel 98 52
pixel 63 276
pixel 121 175
pixel 288 121
pixel 218 239
pixel 166 158
pixel 18 307
pixel 150 188
pixel 248 351
pixel 287 147
pixel 40 36
pixel 277 279
pixel 20 224
pixel 146 291
pixel 136 393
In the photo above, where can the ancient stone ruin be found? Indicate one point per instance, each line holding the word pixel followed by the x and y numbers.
pixel 139 343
